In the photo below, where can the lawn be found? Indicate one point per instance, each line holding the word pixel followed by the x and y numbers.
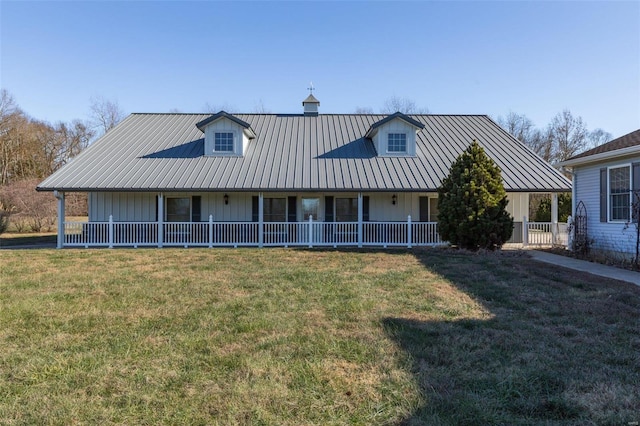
pixel 294 337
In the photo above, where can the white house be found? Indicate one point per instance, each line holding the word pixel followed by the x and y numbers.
pixel 283 179
pixel 604 181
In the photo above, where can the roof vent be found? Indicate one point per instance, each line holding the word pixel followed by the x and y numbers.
pixel 311 104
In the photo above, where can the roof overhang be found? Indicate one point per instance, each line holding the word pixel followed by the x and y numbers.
pixel 603 156
pixel 225 115
pixel 395 116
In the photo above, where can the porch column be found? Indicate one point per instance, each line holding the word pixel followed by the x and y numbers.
pixel 360 220
pixel 554 218
pixel 160 220
pixel 260 219
pixel 61 215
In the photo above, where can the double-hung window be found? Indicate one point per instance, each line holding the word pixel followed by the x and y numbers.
pixel 275 210
pixel 397 142
pixel 346 209
pixel 178 210
pixel 620 194
pixel 223 142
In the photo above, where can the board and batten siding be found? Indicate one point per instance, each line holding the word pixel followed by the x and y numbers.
pixel 607 236
pixel 141 206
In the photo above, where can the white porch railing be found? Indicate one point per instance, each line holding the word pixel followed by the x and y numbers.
pixel 545 234
pixel 284 234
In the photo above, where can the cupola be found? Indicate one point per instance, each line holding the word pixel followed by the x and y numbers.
pixel 311 105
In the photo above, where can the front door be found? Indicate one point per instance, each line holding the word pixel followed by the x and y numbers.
pixel 311 209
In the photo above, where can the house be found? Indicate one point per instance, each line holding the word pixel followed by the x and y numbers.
pixel 604 181
pixel 283 179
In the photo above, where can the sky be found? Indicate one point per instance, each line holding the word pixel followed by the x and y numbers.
pixel 532 58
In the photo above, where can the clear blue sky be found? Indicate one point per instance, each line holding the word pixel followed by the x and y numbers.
pixel 535 58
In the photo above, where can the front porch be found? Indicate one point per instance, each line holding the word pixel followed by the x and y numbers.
pixel 281 234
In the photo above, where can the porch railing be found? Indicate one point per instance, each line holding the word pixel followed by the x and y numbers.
pixel 284 234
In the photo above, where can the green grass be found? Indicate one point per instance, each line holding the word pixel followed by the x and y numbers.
pixel 298 337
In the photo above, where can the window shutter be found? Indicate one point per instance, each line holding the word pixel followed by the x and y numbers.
pixel 424 209
pixel 196 202
pixel 603 195
pixel 255 214
pixel 365 208
pixel 328 209
pixel 292 214
pixel 635 189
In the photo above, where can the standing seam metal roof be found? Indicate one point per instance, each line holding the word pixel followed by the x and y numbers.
pixel 164 152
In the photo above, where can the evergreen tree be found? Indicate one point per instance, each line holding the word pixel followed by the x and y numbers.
pixel 472 203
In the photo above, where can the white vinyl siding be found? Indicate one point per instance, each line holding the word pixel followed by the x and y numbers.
pixel 612 236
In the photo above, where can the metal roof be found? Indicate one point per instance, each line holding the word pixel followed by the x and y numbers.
pixel 164 152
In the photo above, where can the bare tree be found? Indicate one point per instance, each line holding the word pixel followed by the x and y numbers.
pixel 215 108
pixel 261 108
pixel 364 110
pixel 598 137
pixel 569 135
pixel 105 114
pixel 523 129
pixel 403 105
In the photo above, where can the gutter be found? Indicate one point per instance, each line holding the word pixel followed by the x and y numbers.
pixel 601 156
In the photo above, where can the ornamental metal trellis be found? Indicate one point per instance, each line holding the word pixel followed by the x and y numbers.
pixel 580 236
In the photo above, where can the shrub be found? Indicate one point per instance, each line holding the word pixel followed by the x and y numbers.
pixel 4 221
pixel 543 212
pixel 472 203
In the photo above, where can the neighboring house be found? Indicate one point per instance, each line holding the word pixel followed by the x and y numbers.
pixel 284 179
pixel 604 181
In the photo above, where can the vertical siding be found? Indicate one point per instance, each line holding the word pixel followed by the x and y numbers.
pixel 518 206
pixel 124 206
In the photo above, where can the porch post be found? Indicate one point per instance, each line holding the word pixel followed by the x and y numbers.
pixel 554 218
pixel 360 220
pixel 409 231
pixel 525 232
pixel 260 220
pixel 210 231
pixel 61 215
pixel 160 220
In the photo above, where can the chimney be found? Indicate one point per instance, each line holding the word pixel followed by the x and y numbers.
pixel 311 105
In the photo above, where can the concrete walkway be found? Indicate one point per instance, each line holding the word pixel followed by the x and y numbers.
pixel 585 266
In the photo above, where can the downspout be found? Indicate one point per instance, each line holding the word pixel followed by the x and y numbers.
pixel 61 215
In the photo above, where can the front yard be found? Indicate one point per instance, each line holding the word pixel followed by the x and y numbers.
pixel 294 337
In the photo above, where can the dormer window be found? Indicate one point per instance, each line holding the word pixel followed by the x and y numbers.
pixel 223 142
pixel 225 135
pixel 397 142
pixel 395 135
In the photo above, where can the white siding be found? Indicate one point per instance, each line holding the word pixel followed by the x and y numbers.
pixel 607 236
pixel 395 126
pixel 124 206
pixel 518 206
pixel 240 140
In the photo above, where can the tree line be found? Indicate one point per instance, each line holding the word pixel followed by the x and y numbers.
pixel 32 149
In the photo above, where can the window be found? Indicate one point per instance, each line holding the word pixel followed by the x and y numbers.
pixel 397 142
pixel 223 142
pixel 620 193
pixel 346 209
pixel 178 210
pixel 275 209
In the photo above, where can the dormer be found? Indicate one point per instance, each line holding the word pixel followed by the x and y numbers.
pixel 395 135
pixel 225 135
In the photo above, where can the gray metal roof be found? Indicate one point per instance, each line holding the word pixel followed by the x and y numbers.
pixel 164 152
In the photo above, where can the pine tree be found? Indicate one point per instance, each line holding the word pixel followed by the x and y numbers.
pixel 472 203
